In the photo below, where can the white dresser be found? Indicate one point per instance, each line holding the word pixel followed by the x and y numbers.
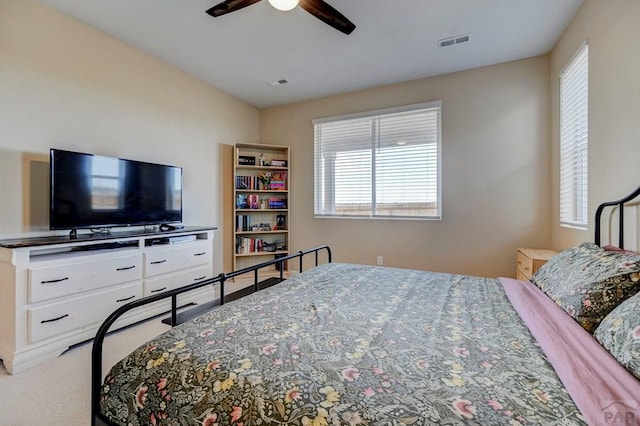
pixel 56 291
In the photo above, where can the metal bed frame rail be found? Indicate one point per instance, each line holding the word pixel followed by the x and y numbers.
pixel 620 204
pixel 96 353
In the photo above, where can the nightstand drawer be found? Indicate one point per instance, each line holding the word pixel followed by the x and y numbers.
pixel 530 260
pixel 525 265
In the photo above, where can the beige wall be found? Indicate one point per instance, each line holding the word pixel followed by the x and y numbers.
pixel 68 86
pixel 495 172
pixel 65 85
pixel 612 30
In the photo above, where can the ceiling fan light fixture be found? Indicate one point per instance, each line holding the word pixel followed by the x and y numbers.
pixel 284 5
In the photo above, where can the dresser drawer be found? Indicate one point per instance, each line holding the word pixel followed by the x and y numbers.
pixel 169 282
pixel 164 260
pixel 69 278
pixel 78 312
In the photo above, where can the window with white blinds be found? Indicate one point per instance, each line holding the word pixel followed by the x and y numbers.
pixel 379 164
pixel 574 137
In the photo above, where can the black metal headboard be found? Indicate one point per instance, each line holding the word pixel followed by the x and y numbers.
pixel 620 204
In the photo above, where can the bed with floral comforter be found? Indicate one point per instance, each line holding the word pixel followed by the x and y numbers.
pixel 346 344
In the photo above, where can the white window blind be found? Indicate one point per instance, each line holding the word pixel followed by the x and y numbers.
pixel 379 164
pixel 574 129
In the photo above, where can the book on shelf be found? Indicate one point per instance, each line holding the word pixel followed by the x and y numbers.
pixel 241 201
pixel 279 181
pixel 247 182
pixel 243 223
pixel 245 245
pixel 277 203
pixel 253 201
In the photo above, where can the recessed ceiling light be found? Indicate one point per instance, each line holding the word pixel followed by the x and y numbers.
pixel 401 142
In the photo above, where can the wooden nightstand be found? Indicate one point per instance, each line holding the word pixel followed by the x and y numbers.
pixel 530 260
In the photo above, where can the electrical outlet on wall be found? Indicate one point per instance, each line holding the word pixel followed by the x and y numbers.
pixel 379 261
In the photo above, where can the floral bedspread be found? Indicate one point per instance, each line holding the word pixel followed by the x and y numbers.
pixel 346 345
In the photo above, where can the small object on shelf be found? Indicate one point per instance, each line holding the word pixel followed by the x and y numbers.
pixel 274 246
pixel 281 265
pixel 281 221
pixel 264 227
pixel 261 160
pixel 265 180
pixel 278 163
pixel 245 160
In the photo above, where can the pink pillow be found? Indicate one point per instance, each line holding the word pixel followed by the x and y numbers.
pixel 609 247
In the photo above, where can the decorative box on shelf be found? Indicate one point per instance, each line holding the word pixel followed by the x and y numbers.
pixel 246 160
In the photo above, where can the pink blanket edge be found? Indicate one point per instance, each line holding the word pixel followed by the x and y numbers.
pixel 602 389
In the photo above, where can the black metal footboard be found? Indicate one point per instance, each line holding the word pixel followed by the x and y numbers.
pixel 96 355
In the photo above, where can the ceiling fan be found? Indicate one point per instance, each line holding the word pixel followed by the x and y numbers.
pixel 318 8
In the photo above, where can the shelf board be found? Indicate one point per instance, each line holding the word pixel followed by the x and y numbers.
pixel 248 278
pixel 277 191
pixel 243 166
pixel 261 210
pixel 277 231
pixel 192 312
pixel 261 253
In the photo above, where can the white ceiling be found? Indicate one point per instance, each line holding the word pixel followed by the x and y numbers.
pixel 394 40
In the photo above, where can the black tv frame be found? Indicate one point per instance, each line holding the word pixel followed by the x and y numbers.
pixel 105 226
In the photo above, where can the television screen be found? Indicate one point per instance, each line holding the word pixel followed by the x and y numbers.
pixel 91 191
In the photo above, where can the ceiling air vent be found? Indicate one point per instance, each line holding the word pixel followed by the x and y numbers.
pixel 279 82
pixel 452 41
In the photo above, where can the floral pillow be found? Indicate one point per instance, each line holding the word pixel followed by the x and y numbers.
pixel 588 282
pixel 619 333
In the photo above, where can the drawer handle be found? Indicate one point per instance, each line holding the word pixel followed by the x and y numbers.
pixel 158 290
pixel 125 268
pixel 125 299
pixel 54 319
pixel 156 262
pixel 200 254
pixel 54 281
pixel 200 278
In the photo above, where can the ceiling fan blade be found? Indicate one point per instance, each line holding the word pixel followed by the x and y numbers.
pixel 229 6
pixel 328 15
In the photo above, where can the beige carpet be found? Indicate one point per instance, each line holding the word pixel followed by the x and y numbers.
pixel 58 392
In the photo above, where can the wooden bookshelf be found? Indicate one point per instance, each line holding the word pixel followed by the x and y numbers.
pixel 261 209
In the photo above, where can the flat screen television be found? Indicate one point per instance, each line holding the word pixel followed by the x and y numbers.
pixel 92 191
